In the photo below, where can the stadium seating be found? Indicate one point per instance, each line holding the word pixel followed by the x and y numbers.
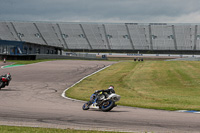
pixel 162 37
pixel 7 32
pixel 27 32
pixel 118 36
pixel 140 36
pixel 74 36
pixel 95 35
pixel 198 38
pixel 50 33
pixel 108 36
pixel 184 34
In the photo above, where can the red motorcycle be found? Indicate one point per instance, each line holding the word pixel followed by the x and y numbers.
pixel 5 80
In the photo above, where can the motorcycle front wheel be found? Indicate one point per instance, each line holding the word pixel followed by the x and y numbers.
pixel 2 85
pixel 85 106
pixel 107 105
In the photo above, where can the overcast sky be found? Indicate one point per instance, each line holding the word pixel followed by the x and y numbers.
pixel 114 11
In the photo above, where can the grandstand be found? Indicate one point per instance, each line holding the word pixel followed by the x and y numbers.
pixel 52 38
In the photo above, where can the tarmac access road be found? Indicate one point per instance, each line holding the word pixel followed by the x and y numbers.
pixel 33 98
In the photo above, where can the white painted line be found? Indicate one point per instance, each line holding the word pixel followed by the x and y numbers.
pixel 197 112
pixel 181 110
pixel 63 94
pixel 188 111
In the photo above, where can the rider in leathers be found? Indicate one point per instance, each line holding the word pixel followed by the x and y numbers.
pixel 110 90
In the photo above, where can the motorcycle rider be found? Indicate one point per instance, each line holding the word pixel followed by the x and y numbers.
pixel 110 90
pixel 4 80
pixel 94 97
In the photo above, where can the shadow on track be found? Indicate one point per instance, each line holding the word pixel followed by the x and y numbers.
pixel 112 111
pixel 8 90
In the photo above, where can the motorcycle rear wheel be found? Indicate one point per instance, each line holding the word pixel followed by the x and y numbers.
pixel 107 105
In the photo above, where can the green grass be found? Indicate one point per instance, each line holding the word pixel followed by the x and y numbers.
pixel 14 129
pixel 167 85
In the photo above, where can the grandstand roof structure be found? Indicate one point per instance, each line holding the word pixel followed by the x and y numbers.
pixel 105 36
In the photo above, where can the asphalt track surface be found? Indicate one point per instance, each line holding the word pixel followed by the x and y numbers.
pixel 33 98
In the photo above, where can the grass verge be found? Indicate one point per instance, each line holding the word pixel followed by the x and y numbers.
pixel 15 129
pixel 167 85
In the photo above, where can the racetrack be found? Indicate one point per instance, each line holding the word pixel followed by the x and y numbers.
pixel 33 98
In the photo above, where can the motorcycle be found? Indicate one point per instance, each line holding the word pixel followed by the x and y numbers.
pixel 5 80
pixel 104 102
